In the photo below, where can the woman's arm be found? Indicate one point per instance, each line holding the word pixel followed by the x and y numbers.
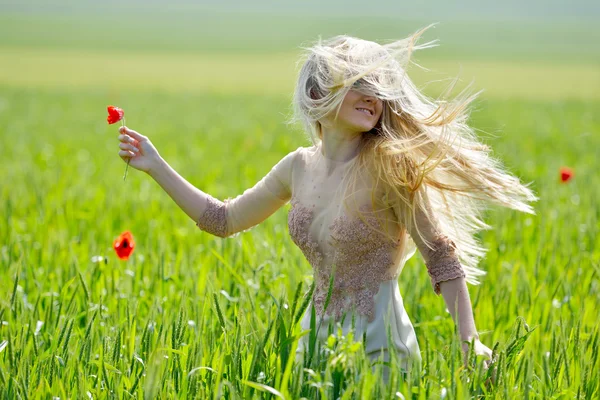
pixel 446 273
pixel 458 302
pixel 220 218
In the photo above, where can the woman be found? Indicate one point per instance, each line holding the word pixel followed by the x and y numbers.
pixel 390 171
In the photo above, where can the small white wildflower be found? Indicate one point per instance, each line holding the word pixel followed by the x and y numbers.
pixel 556 303
pixel 230 298
pixel 575 199
pixel 253 284
pixel 261 376
pixel 444 393
pixel 97 259
pixel 38 327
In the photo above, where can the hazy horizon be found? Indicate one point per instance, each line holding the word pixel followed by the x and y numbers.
pixel 436 9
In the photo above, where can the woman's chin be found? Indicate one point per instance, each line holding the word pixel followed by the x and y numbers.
pixel 362 128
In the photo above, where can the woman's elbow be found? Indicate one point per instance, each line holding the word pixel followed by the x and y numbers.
pixel 214 219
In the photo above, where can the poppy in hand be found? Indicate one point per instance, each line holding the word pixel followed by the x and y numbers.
pixel 566 174
pixel 124 245
pixel 115 114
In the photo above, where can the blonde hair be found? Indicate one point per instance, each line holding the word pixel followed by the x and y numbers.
pixel 421 150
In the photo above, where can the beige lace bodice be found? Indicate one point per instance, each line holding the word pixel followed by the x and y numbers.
pixel 325 224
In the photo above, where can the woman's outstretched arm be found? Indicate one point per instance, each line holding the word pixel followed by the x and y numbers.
pixel 220 218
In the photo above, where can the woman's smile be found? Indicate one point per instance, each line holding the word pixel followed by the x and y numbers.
pixel 367 111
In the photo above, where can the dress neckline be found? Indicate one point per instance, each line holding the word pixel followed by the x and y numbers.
pixel 331 160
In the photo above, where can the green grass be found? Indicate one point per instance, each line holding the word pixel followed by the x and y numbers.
pixel 195 316
pixel 65 201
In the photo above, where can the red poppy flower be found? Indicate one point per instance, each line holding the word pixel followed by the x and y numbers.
pixel 115 114
pixel 566 174
pixel 124 245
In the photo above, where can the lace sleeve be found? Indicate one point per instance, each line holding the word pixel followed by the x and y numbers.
pixel 214 218
pixel 440 255
pixel 224 218
pixel 441 261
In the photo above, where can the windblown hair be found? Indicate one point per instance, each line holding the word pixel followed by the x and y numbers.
pixel 421 149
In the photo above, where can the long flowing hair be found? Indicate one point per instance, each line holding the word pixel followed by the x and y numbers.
pixel 422 150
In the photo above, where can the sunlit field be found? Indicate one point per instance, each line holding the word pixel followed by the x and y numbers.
pixel 191 315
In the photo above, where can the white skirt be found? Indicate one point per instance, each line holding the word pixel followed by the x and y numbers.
pixel 390 315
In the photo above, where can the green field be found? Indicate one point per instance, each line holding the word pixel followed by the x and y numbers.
pixel 191 315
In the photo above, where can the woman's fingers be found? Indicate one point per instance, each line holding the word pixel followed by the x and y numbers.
pixel 129 139
pixel 127 146
pixel 131 132
pixel 126 138
pixel 126 154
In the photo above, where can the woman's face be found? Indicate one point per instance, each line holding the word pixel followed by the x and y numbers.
pixel 359 113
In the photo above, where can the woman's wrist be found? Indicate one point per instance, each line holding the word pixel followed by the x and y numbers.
pixel 156 167
pixel 469 337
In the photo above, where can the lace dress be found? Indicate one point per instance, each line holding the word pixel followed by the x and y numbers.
pixel 324 223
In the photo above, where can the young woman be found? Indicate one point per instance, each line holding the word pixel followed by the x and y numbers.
pixel 389 171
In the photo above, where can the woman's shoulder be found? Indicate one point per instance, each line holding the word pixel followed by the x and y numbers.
pixel 306 150
pixel 302 154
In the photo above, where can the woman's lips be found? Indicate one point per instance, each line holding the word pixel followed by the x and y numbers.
pixel 365 110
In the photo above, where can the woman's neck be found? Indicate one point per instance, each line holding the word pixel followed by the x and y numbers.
pixel 339 146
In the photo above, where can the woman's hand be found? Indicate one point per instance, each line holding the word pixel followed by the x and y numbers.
pixel 479 349
pixel 138 149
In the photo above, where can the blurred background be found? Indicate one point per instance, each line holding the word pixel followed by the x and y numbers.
pixel 534 49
